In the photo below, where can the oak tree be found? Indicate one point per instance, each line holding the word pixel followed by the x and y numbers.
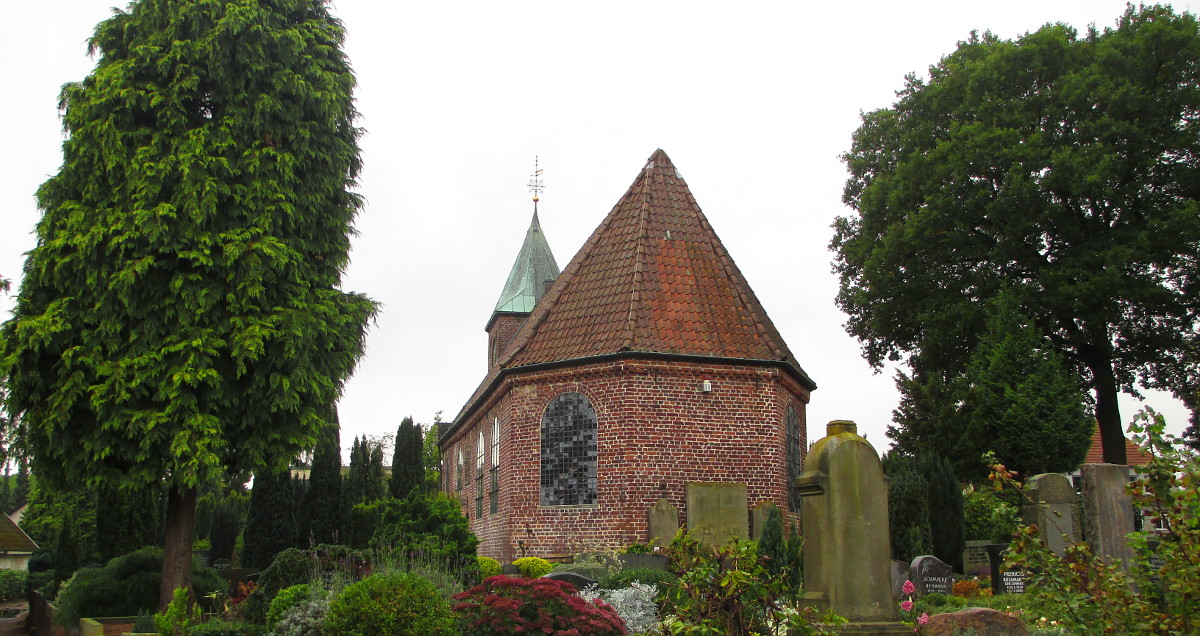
pixel 180 315
pixel 1061 167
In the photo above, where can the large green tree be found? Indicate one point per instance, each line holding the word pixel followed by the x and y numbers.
pixel 408 470
pixel 1063 168
pixel 180 315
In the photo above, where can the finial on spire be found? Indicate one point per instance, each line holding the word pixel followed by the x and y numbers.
pixel 535 182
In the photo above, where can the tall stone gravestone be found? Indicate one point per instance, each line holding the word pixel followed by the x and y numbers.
pixel 717 512
pixel 847 552
pixel 1004 581
pixel 929 574
pixel 664 522
pixel 1107 511
pixel 975 558
pixel 1052 507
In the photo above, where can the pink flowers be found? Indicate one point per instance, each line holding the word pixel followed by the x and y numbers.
pixel 909 588
pixel 906 605
pixel 924 618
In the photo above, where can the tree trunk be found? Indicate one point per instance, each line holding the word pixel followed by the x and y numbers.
pixel 177 545
pixel 1108 415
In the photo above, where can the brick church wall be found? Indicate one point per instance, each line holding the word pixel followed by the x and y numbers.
pixel 656 432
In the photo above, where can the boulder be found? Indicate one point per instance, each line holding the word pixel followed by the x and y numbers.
pixel 980 621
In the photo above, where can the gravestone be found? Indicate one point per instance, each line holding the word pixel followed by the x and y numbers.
pixel 758 517
pixel 578 580
pixel 1004 581
pixel 929 574
pixel 847 551
pixel 1107 511
pixel 664 522
pixel 1051 506
pixel 975 558
pixel 716 512
pixel 899 576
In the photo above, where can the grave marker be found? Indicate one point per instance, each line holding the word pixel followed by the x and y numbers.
pixel 930 574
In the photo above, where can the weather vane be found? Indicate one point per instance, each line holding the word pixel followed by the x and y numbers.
pixel 535 181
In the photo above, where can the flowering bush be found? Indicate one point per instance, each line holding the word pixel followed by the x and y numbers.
pixel 389 604
pixel 533 567
pixel 969 588
pixel 503 605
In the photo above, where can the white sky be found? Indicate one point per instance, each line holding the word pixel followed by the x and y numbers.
pixel 753 104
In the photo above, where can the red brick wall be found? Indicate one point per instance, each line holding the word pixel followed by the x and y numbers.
pixel 504 327
pixel 656 432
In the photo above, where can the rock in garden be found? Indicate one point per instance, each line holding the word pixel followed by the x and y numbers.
pixel 975 620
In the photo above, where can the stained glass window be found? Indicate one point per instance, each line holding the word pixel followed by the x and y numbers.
pixel 792 425
pixel 569 452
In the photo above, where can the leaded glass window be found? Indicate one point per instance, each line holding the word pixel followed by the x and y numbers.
pixel 792 431
pixel 494 490
pixel 569 452
pixel 462 466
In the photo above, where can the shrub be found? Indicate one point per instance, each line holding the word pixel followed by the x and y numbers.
pixel 125 586
pixel 533 567
pixel 293 567
pixel 503 605
pixel 12 584
pixel 648 576
pixel 305 619
pixel 180 614
pixel 488 566
pixel 219 627
pixel 966 588
pixel 389 604
pixel 635 604
pixel 286 599
pixel 590 569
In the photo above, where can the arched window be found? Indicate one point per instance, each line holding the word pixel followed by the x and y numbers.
pixel 569 452
pixel 479 449
pixel 494 489
pixel 792 432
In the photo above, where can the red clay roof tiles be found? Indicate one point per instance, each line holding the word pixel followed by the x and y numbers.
pixel 652 278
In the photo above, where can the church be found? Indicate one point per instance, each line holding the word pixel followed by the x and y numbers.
pixel 643 370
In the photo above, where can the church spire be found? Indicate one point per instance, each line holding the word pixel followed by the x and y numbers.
pixel 535 267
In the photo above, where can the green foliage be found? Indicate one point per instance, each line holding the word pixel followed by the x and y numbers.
pixel 1159 591
pixel 322 519
pixel 663 579
pixel 181 614
pixel 305 619
pixel 990 515
pixel 144 623
pixel 12 584
pixel 1055 168
pixel 780 550
pixel 408 470
pixel 946 524
pixel 286 599
pixel 270 522
pixel 488 566
pixel 65 522
pixel 503 605
pixel 123 587
pixel 533 567
pixel 293 567
pixel 431 526
pixel 126 519
pixel 729 591
pixel 908 507
pixel 180 317
pixel 389 604
pixel 432 456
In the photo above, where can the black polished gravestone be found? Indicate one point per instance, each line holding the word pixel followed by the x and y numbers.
pixel 929 574
pixel 1004 581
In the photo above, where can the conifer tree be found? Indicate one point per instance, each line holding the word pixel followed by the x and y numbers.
pixel 375 487
pixel 408 470
pixel 181 314
pixel 908 507
pixel 321 522
pixel 270 524
pixel 354 487
pixel 431 456
pixel 947 526
pixel 125 519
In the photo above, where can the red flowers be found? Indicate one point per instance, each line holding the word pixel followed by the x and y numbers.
pixel 504 605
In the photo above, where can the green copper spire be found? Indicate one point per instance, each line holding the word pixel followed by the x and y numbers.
pixel 534 267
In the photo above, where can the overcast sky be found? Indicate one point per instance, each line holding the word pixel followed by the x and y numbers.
pixel 753 101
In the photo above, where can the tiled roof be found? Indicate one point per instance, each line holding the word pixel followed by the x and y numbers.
pixel 12 538
pixel 527 280
pixel 653 278
pixel 1134 456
